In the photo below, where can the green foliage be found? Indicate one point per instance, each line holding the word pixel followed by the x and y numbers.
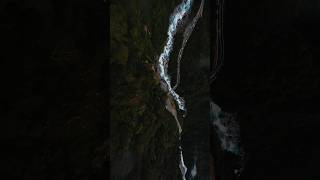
pixel 139 121
pixel 119 35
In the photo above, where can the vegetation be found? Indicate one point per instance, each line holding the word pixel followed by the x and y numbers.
pixel 140 125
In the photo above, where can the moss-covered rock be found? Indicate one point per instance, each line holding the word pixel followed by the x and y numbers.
pixel 140 125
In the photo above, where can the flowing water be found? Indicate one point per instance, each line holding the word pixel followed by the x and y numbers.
pixel 180 12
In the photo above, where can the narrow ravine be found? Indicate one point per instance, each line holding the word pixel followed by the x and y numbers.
pixel 186 35
pixel 180 12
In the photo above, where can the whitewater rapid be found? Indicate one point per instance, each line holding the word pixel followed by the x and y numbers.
pixel 179 13
pixel 183 9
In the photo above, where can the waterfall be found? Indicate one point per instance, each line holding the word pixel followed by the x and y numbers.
pixel 176 18
pixel 181 11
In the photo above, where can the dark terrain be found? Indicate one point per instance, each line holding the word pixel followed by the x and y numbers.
pixel 54 90
pixel 144 135
pixel 270 80
pixel 55 105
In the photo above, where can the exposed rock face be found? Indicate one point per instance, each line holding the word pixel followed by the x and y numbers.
pixel 143 126
pixel 144 134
